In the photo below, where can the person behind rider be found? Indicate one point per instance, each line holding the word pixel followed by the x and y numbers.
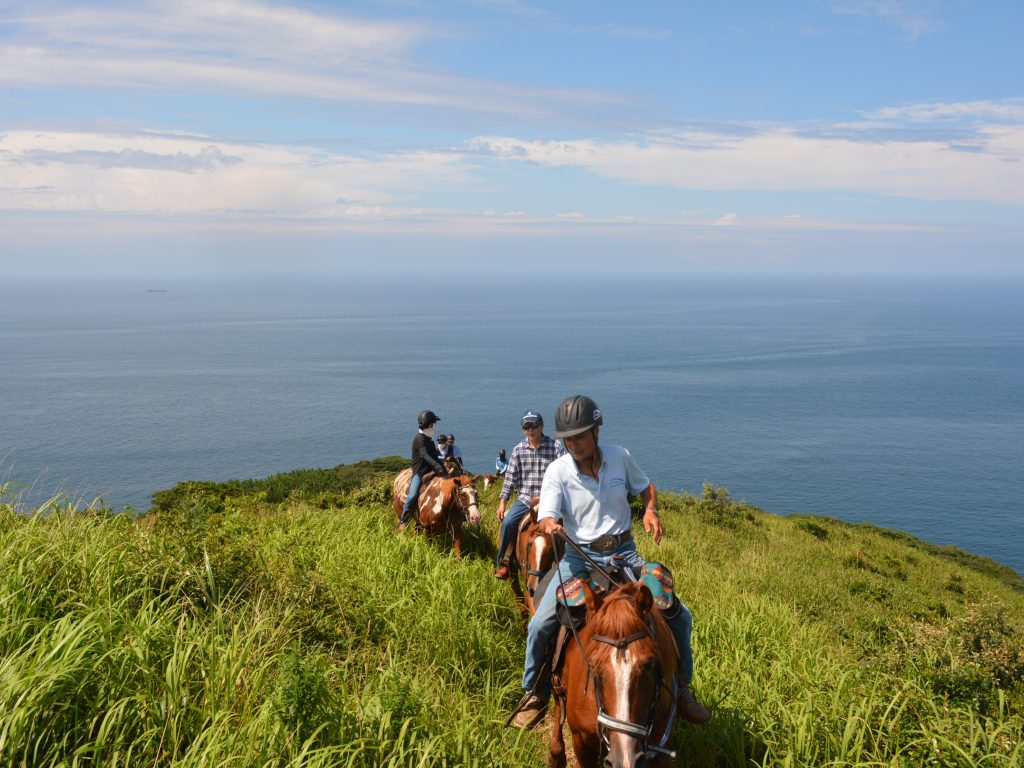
pixel 424 460
pixel 585 497
pixel 500 463
pixel 454 452
pixel 442 447
pixel 530 458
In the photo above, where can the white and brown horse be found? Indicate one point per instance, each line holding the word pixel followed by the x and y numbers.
pixel 444 504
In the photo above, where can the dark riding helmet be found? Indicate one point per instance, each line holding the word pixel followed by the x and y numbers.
pixel 426 418
pixel 576 415
pixel 442 438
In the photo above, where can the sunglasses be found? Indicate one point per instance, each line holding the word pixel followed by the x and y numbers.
pixel 530 425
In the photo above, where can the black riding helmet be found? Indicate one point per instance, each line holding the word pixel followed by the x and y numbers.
pixel 426 418
pixel 576 415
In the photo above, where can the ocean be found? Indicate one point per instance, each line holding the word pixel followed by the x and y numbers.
pixel 891 400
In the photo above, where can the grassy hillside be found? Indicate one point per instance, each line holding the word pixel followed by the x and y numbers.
pixel 282 622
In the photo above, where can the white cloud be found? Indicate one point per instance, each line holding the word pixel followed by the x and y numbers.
pixel 779 158
pixel 570 215
pixel 726 220
pixel 1006 110
pixel 904 14
pixel 194 175
pixel 253 47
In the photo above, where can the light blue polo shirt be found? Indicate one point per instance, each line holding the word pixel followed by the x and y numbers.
pixel 588 508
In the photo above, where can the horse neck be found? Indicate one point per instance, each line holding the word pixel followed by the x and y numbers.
pixel 449 490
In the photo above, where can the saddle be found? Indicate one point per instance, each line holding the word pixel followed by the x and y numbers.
pixel 571 606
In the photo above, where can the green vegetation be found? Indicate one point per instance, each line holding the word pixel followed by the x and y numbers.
pixel 282 622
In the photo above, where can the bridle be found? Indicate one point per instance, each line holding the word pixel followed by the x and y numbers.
pixel 606 722
pixel 470 494
pixel 538 574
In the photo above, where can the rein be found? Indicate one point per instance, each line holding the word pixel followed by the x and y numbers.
pixel 605 721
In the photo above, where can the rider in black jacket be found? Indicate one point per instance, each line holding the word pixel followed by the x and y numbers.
pixel 424 460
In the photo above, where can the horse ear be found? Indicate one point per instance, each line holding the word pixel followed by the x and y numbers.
pixel 644 601
pixel 533 515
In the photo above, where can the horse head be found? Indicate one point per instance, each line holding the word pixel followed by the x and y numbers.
pixel 631 664
pixel 465 494
pixel 534 551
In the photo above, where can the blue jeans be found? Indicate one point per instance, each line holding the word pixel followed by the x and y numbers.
pixel 411 499
pixel 510 526
pixel 544 623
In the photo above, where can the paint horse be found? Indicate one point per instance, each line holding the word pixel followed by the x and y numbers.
pixel 532 557
pixel 444 504
pixel 617 688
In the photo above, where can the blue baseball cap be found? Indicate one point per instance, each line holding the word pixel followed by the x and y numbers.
pixel 532 417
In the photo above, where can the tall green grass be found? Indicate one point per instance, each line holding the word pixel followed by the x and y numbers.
pixel 284 623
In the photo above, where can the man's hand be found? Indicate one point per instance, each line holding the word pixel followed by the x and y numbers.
pixel 652 524
pixel 549 525
pixel 501 509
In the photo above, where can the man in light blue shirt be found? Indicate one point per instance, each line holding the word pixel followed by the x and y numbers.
pixel 585 495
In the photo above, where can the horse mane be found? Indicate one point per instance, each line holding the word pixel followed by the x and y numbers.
pixel 616 618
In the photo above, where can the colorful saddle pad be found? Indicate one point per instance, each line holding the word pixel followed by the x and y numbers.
pixel 658 578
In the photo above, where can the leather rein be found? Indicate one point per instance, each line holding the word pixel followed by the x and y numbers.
pixel 605 721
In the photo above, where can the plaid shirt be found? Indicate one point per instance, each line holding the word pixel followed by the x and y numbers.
pixel 526 467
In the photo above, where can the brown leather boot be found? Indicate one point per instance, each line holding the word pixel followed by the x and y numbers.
pixel 531 713
pixel 692 710
pixel 502 572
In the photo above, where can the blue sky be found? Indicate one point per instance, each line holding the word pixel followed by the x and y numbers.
pixel 181 138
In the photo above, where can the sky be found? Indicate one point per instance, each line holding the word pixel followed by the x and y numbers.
pixel 182 138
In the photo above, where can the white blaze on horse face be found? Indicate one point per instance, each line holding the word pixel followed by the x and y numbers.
pixel 472 508
pixel 623 748
pixel 540 543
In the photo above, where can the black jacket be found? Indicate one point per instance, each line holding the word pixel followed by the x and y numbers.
pixel 424 455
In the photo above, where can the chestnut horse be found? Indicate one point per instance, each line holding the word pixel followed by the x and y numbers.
pixel 532 557
pixel 444 503
pixel 618 685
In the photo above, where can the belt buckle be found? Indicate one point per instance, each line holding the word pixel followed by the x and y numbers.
pixel 605 544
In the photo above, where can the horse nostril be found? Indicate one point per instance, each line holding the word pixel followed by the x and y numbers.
pixel 608 763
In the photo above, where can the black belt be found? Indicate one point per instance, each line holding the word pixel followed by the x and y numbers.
pixel 608 543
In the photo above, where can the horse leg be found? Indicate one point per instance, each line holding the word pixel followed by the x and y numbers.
pixel 587 749
pixel 556 744
pixel 530 607
pixel 517 591
pixel 457 539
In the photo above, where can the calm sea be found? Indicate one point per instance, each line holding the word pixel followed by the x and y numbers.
pixel 891 400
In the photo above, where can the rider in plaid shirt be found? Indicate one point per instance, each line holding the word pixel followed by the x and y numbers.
pixel 525 472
